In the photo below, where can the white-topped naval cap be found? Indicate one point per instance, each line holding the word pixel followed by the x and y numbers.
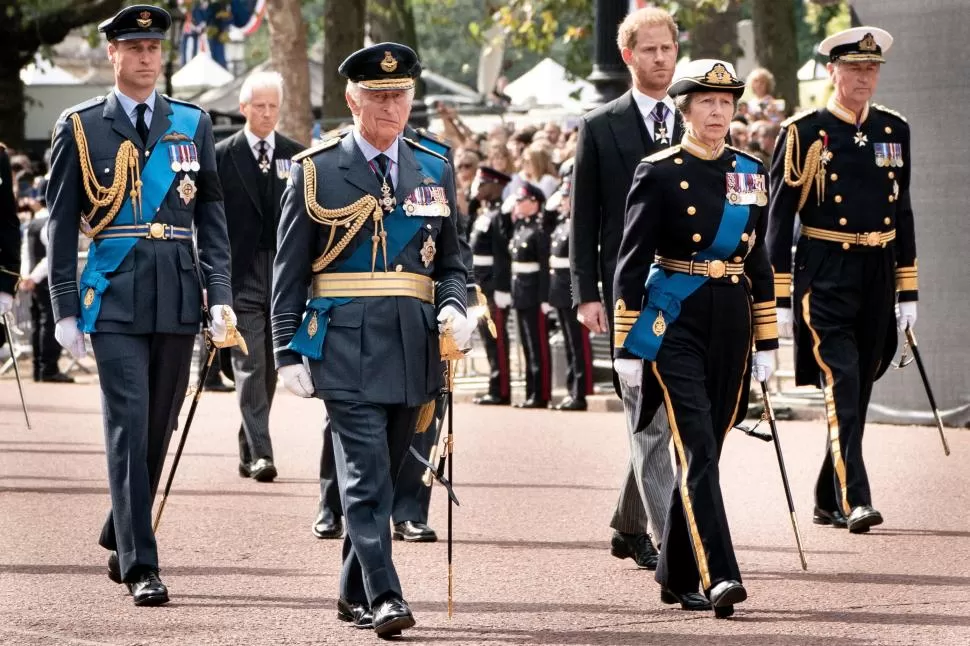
pixel 858 44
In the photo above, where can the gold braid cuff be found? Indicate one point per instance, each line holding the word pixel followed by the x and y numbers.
pixel 352 217
pixel 797 176
pixel 126 165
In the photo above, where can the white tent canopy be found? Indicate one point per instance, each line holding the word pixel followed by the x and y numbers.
pixel 201 72
pixel 548 83
pixel 44 72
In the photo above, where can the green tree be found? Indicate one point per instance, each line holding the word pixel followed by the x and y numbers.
pixel 27 27
pixel 288 55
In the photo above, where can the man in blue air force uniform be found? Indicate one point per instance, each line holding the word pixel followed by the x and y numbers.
pixel 368 227
pixel 135 171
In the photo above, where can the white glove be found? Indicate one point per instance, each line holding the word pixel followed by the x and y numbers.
pixel 218 328
pixel 297 379
pixel 70 336
pixel 905 315
pixel 630 372
pixel 461 327
pixel 503 300
pixel 763 365
pixel 546 308
pixel 6 303
pixel 786 322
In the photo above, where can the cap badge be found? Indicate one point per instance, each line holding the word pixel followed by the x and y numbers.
pixel 868 44
pixel 718 75
pixel 389 64
pixel 144 19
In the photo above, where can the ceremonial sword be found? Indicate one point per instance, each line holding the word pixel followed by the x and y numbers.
pixel 911 340
pixel 16 368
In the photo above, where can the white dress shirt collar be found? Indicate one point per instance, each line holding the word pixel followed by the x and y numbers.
pixel 128 104
pixel 370 152
pixel 254 141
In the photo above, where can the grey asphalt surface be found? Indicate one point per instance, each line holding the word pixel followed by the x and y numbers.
pixel 532 562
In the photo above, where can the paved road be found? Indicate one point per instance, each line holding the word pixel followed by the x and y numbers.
pixel 532 560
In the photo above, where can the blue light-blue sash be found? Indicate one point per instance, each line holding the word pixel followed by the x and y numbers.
pixel 104 256
pixel 400 229
pixel 665 293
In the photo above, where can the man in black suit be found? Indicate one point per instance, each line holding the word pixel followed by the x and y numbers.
pixel 253 167
pixel 9 240
pixel 612 141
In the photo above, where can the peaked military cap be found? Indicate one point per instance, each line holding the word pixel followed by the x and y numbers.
pixel 139 21
pixel 706 75
pixel 491 176
pixel 857 45
pixel 528 190
pixel 385 66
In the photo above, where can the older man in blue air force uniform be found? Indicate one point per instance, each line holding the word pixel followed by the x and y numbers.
pixel 135 172
pixel 368 227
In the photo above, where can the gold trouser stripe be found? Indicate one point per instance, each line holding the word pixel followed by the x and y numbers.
pixel 362 284
pixel 830 410
pixel 744 369
pixel 858 239
pixel 699 554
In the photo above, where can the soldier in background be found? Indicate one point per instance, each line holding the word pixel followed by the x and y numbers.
pixel 529 249
pixel 490 235
pixel 579 353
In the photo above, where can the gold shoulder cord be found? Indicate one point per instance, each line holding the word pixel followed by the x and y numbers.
pixel 351 216
pixel 126 165
pixel 795 175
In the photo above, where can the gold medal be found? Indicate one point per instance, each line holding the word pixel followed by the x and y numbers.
pixel 659 325
pixel 761 199
pixel 187 189
pixel 89 298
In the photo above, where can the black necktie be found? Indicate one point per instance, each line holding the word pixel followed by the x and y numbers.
pixel 384 165
pixel 659 117
pixel 263 159
pixel 140 126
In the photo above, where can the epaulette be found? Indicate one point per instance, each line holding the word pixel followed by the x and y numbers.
pixel 337 132
pixel 798 116
pixel 424 132
pixel 181 102
pixel 415 144
pixel 81 107
pixel 883 108
pixel 738 151
pixel 313 150
pixel 663 154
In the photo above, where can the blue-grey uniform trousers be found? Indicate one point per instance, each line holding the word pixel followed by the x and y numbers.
pixel 370 442
pixel 411 498
pixel 143 382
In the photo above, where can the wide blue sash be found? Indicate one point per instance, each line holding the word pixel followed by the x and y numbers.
pixel 400 229
pixel 104 256
pixel 666 292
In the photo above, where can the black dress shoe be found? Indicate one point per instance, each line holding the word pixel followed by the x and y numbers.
pixel 862 518
pixel 572 404
pixel 687 600
pixel 357 614
pixel 114 567
pixel 638 547
pixel 218 387
pixel 391 617
pixel 328 525
pixel 724 595
pixel 148 589
pixel 491 400
pixel 263 470
pixel 244 469
pixel 532 403
pixel 414 532
pixel 825 517
pixel 57 378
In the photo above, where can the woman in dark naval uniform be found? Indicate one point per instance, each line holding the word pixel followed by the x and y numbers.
pixel 693 290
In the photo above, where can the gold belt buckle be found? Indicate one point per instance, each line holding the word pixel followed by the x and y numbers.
pixel 872 239
pixel 716 269
pixel 156 231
